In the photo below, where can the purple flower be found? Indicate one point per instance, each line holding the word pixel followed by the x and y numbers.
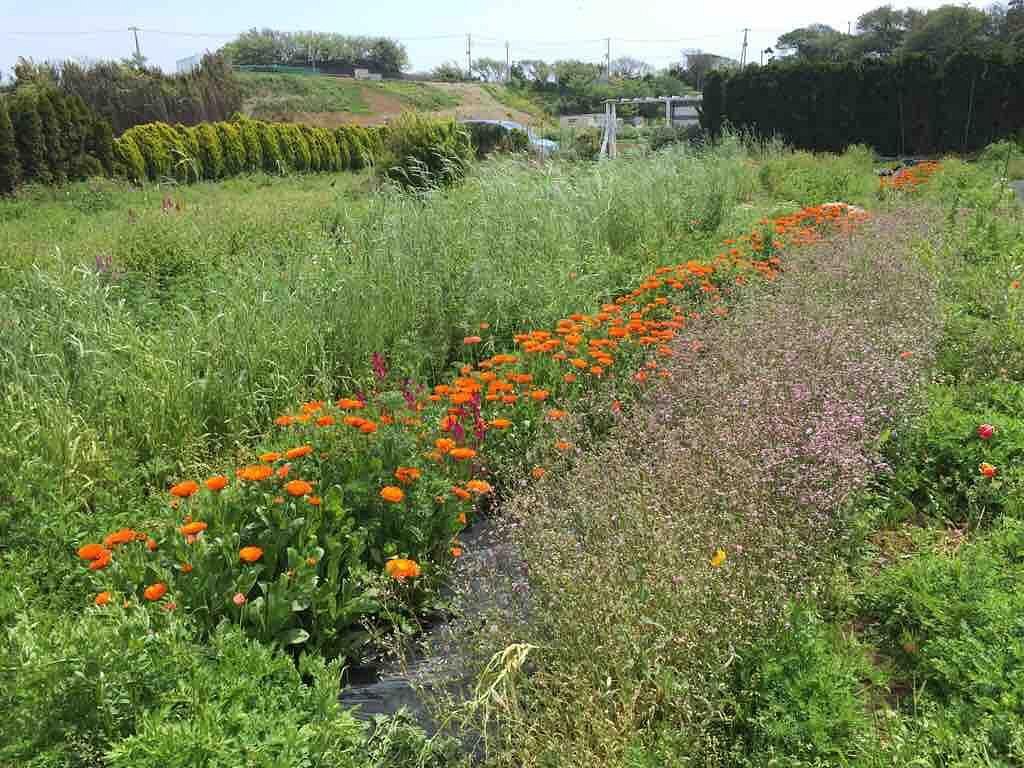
pixel 380 367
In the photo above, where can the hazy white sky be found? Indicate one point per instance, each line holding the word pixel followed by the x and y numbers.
pixel 653 30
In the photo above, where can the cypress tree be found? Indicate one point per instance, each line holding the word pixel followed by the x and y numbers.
pixel 51 139
pixel 9 168
pixel 28 137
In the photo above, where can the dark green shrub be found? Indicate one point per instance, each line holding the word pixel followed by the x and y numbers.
pixel 586 144
pixel 151 145
pixel 316 160
pixel 51 128
pixel 360 155
pixel 210 154
pixel 666 135
pixel 85 167
pixel 488 138
pixel 344 149
pixel 295 146
pixel 424 152
pixel 329 149
pixel 232 148
pixel 28 137
pixel 99 143
pixel 10 170
pixel 128 160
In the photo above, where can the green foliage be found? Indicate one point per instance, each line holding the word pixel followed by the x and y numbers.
pixel 10 169
pixel 316 159
pixel 28 136
pixel 493 137
pixel 664 135
pixel 586 144
pixel 334 53
pixel 131 685
pixel 210 155
pixel 275 155
pixel 128 159
pixel 906 105
pixel 423 153
pixel 797 698
pixel 232 148
pixel 294 146
pixel 251 139
pixel 99 143
pixel 52 138
pixel 360 154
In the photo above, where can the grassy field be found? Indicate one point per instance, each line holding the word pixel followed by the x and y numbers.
pixel 153 335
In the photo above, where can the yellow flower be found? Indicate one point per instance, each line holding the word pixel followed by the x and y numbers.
pixel 718 558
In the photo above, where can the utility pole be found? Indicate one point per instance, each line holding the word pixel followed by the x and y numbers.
pixel 608 59
pixel 508 64
pixel 469 56
pixel 743 53
pixel 135 31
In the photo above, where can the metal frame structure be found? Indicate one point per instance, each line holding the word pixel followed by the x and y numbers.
pixel 608 145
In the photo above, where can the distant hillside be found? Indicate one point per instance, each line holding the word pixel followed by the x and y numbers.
pixel 332 101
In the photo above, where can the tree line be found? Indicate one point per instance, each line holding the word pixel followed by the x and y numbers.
pixel 327 51
pixel 49 137
pixel 128 93
pixel 908 104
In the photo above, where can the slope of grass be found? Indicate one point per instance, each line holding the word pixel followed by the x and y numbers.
pixel 269 96
pixel 514 100
pixel 419 96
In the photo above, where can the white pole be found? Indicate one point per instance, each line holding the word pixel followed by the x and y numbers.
pixel 612 125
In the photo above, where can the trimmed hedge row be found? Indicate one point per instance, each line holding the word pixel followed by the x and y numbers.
pixel 211 151
pixel 905 105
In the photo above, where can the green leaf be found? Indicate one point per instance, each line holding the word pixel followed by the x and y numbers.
pixel 293 637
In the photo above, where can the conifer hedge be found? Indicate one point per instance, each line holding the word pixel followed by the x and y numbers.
pixel 904 105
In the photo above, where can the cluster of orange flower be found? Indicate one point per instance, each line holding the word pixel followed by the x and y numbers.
pixel 906 179
pixel 494 395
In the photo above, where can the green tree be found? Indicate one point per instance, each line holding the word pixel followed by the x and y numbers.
pixel 449 72
pixel 10 170
pixel 52 138
pixel 881 31
pixel 816 42
pixel 28 136
pixel 948 30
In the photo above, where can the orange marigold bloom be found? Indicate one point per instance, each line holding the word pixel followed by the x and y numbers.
pixel 255 472
pixel 298 453
pixel 479 486
pixel 462 453
pixel 472 340
pixel 354 421
pixel 556 415
pixel 578 362
pixel 325 421
pixel 462 493
pixel 392 493
pixel 537 395
pixel 350 404
pixel 250 554
pixel 509 399
pixel 456 552
pixel 298 488
pixel 151 545
pixel 368 427
pixel 500 423
pixel 401 569
pixel 191 529
pixel 101 562
pixel 283 470
pixel 461 519
pixel 155 591
pixel 217 483
pixel 563 445
pixel 92 551
pixel 186 567
pixel 407 475
pixel 316 501
pixel 538 472
pixel 270 457
pixel 569 378
pixel 102 598
pixel 184 489
pixel 284 421
pixel 987 470
pixel 122 536
pixel 444 444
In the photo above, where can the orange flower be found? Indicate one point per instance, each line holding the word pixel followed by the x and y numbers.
pixel 298 453
pixel 537 395
pixel 444 444
pixel 184 489
pixel 461 519
pixel 217 483
pixel 314 500
pixel 407 475
pixel 556 415
pixel 988 470
pixel 155 591
pixel 283 470
pixel 368 427
pixel 905 355
pixel 311 561
pixel 392 494
pixel 100 562
pixel 325 421
pixel 186 567
pixel 122 536
pixel 191 529
pixel 298 488
pixel 462 453
pixel 284 421
pixel 270 457
pixel 250 554
pixel 1015 285
pixel 569 378
pixel 401 569
pixel 562 445
pixel 472 340
pixel 349 404
pixel 151 545
pixel 479 486
pixel 456 552
pixel 102 598
pixel 462 493
pixel 538 472
pixel 92 551
pixel 255 472
pixel 500 423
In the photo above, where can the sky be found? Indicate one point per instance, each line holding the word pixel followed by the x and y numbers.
pixel 652 30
